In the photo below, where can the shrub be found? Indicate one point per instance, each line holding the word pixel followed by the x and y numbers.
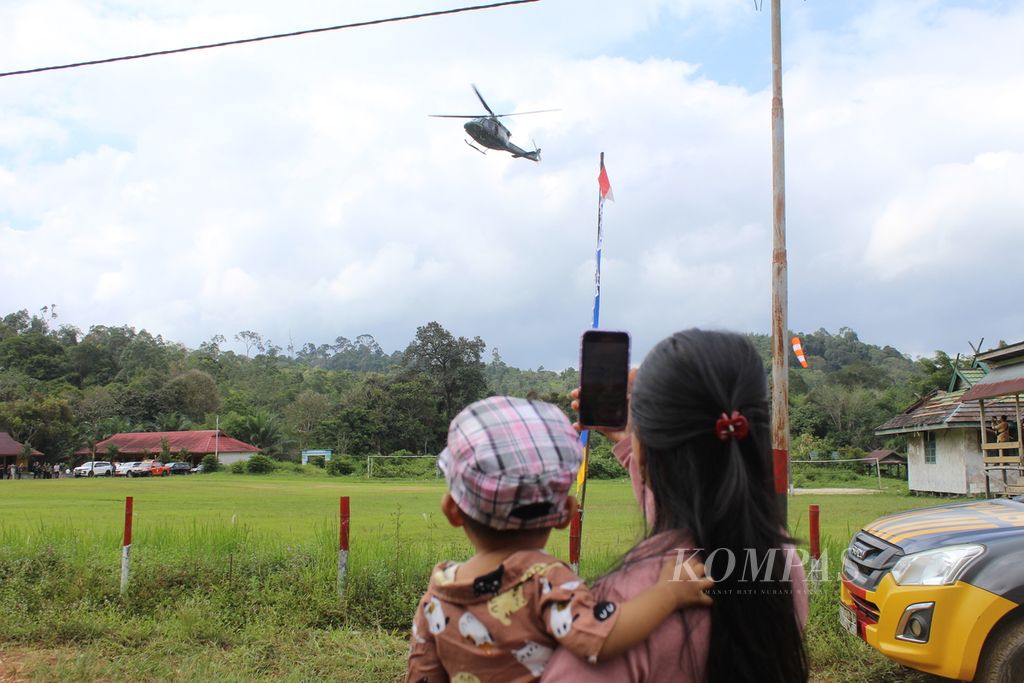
pixel 603 464
pixel 210 463
pixel 341 465
pixel 260 464
pixel 238 467
pixel 316 461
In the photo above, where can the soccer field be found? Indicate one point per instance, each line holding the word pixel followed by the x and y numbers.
pixel 300 508
pixel 285 509
pixel 233 576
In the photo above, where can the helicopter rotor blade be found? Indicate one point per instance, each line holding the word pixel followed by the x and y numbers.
pixel 520 113
pixel 482 100
pixel 458 116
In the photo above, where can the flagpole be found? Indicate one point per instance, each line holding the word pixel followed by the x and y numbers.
pixel 576 533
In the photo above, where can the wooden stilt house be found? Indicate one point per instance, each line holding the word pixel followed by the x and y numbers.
pixel 1001 439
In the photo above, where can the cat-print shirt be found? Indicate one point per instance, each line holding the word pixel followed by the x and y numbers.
pixel 503 626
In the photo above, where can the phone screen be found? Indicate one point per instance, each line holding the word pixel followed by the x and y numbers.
pixel 604 376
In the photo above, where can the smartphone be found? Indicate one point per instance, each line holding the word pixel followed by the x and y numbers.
pixel 604 378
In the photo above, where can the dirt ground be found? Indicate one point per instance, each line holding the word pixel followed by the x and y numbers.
pixel 12 665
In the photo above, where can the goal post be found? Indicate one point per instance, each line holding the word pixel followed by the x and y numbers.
pixel 860 461
pixel 401 466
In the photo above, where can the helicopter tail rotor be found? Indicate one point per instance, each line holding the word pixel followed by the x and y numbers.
pixel 535 154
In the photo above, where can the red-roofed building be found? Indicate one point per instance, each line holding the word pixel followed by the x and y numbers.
pixel 143 445
pixel 12 453
pixel 890 461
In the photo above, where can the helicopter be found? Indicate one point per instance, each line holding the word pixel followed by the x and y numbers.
pixel 492 133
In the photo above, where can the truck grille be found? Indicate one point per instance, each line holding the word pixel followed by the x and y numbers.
pixel 866 608
pixel 868 559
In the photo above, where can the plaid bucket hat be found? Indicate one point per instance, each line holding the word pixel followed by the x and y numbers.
pixel 510 462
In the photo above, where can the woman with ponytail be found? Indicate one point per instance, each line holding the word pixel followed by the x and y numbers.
pixel 698 452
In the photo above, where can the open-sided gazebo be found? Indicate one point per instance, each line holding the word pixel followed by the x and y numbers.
pixel 14 453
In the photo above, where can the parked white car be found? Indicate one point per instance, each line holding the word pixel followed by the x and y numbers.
pixel 123 468
pixel 95 468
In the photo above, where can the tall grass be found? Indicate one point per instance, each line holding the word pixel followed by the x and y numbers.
pixel 219 598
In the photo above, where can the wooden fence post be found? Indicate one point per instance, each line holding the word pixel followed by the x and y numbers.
pixel 343 525
pixel 126 546
pixel 815 541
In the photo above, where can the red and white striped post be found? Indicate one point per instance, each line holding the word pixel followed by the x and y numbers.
pixel 126 546
pixel 343 523
pixel 813 514
pixel 574 542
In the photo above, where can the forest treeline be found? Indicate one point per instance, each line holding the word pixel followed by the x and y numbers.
pixel 62 389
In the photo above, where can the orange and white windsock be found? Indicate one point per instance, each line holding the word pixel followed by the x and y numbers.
pixel 798 349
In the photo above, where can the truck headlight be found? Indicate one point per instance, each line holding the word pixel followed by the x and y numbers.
pixel 939 567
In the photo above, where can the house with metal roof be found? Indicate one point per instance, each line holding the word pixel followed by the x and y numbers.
pixel 143 445
pixel 944 437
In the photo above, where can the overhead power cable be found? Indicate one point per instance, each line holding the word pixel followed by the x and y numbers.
pixel 293 34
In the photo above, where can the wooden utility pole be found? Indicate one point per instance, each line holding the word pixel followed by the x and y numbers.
pixel 780 354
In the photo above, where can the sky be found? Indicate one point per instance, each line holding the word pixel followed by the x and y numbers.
pixel 298 187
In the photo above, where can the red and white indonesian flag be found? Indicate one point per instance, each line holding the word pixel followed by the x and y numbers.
pixel 605 185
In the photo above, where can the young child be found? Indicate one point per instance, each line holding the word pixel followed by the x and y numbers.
pixel 499 615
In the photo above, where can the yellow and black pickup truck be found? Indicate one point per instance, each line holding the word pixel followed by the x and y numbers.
pixel 940 589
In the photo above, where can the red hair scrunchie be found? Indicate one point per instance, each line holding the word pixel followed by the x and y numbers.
pixel 732 427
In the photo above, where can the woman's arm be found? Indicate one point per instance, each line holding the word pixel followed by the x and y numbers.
pixel 638 617
pixel 596 630
pixel 623 452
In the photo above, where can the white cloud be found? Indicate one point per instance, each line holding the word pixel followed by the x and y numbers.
pixel 955 214
pixel 298 188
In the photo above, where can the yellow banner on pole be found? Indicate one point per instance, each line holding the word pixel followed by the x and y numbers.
pixel 581 476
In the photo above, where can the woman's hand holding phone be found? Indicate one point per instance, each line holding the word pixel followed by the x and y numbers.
pixel 614 435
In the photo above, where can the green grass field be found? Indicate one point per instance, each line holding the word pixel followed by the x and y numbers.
pixel 233 576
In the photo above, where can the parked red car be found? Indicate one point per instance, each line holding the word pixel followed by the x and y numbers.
pixel 149 468
pixel 159 469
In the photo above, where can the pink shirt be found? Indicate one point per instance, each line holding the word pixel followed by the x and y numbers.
pixel 674 651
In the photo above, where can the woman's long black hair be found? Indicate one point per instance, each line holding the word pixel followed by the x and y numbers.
pixel 721 494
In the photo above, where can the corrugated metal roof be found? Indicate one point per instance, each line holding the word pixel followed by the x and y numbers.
pixel 945 410
pixel 972 375
pixel 196 443
pixel 886 457
pixel 1004 380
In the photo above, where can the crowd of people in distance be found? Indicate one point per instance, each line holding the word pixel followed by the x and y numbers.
pixel 36 470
